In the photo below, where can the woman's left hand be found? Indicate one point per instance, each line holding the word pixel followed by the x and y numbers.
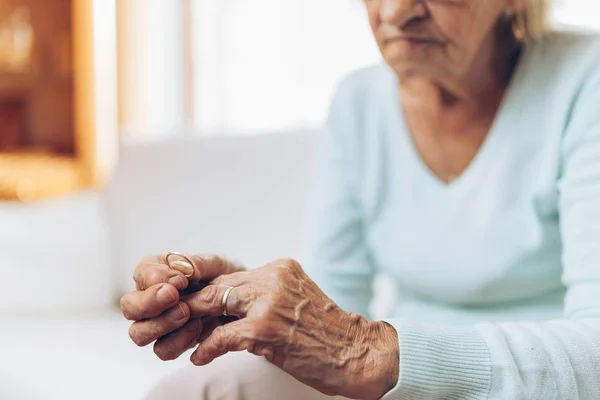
pixel 285 317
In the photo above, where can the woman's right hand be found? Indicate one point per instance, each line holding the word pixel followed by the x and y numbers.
pixel 155 307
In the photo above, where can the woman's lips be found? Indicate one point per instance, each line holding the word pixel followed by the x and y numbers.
pixel 408 43
pixel 409 39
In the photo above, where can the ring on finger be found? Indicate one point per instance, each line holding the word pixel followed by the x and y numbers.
pixel 177 264
pixel 224 301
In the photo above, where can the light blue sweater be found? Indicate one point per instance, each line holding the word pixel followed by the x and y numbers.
pixel 484 264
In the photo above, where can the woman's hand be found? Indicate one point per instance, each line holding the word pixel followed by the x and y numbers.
pixel 156 305
pixel 286 318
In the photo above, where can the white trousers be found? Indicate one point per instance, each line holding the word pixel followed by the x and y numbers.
pixel 235 376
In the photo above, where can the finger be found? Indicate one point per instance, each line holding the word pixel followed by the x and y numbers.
pixel 171 346
pixel 209 301
pixel 209 324
pixel 153 270
pixel 209 266
pixel 180 262
pixel 233 336
pixel 150 303
pixel 234 279
pixel 147 331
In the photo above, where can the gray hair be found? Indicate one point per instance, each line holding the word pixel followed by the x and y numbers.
pixel 533 21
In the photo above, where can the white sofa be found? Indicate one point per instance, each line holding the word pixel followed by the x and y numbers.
pixel 65 262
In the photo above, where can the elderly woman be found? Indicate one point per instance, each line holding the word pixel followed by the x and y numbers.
pixel 468 169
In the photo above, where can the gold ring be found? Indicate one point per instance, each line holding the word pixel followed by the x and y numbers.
pixel 181 265
pixel 224 301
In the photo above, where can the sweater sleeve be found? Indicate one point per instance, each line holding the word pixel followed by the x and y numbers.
pixel 549 360
pixel 338 259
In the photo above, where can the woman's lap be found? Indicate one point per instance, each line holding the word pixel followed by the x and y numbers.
pixel 235 376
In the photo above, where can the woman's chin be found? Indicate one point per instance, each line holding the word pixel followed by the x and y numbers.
pixel 407 69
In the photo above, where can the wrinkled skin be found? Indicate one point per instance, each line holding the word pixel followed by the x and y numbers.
pixel 156 307
pixel 278 313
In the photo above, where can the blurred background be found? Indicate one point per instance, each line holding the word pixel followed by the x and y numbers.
pixel 134 127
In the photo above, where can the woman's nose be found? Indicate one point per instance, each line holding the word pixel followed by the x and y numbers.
pixel 396 12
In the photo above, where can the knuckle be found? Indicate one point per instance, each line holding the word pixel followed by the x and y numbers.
pixel 219 263
pixel 287 268
pixel 220 337
pixel 209 259
pixel 204 263
pixel 292 264
pixel 153 276
pixel 140 274
pixel 218 280
pixel 288 263
pixel 209 294
pixel 282 272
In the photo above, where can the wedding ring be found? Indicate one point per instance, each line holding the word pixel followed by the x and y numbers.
pixel 224 301
pixel 182 266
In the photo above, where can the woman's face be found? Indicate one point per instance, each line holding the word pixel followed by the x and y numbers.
pixel 441 38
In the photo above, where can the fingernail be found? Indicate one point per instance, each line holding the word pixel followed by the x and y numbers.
pixel 177 281
pixel 177 314
pixel 164 296
pixel 184 264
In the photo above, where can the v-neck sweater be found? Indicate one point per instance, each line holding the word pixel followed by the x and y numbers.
pixel 497 273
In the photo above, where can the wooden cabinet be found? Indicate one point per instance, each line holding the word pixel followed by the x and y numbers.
pixel 58 111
